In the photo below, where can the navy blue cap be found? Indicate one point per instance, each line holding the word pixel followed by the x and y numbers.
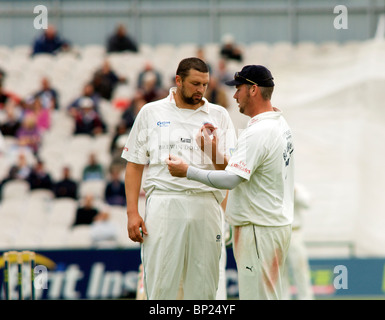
pixel 253 74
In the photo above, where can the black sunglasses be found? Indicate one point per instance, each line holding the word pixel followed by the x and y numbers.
pixel 237 75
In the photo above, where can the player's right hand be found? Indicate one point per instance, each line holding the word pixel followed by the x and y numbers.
pixel 136 228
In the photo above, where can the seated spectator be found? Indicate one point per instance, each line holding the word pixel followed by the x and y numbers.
pixel 149 68
pixel 50 42
pixel 48 95
pixel 222 73
pixel 87 92
pixel 104 231
pixel 34 106
pixel 129 114
pixel 18 171
pixel 66 187
pixel 3 74
pixel 105 81
pixel 93 170
pixel 215 93
pixel 28 135
pixel 149 89
pixel 229 50
pixel 115 193
pixel 8 98
pixel 22 168
pixel 200 53
pixel 39 178
pixel 120 41
pixel 11 121
pixel 87 120
pixel 86 211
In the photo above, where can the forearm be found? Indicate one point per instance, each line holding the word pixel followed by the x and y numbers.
pixel 133 180
pixel 219 179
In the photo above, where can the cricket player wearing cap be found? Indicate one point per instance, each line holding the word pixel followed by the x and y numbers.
pixel 260 177
pixel 181 240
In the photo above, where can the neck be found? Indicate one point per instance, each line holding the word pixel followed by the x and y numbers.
pixel 262 107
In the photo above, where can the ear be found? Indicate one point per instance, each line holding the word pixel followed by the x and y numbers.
pixel 254 90
pixel 178 80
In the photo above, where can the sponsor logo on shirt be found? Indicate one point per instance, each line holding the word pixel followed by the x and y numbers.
pixel 241 166
pixel 163 123
pixel 185 140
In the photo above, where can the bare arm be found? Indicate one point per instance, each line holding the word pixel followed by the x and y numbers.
pixel 133 180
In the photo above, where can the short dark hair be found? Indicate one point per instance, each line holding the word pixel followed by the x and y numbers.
pixel 191 63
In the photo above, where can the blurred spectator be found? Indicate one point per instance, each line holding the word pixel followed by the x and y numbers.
pixel 129 115
pixel 222 73
pixel 120 41
pixel 66 187
pixel 105 81
pixel 229 50
pixel 28 135
pixel 115 193
pixel 48 95
pixel 215 93
pixel 116 146
pixel 11 121
pixel 149 68
pixel 93 170
pixel 86 211
pixel 50 42
pixel 21 169
pixel 200 53
pixel 8 98
pixel 3 74
pixel 149 89
pixel 87 120
pixel 43 116
pixel 120 130
pixel 104 231
pixel 39 178
pixel 87 92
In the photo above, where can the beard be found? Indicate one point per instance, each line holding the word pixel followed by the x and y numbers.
pixel 244 103
pixel 193 100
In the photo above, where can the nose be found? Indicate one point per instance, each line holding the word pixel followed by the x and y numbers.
pixel 201 89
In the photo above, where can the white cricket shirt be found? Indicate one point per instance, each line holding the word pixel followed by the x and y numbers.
pixel 161 128
pixel 264 157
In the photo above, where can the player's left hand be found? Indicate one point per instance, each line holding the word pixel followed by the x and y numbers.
pixel 176 166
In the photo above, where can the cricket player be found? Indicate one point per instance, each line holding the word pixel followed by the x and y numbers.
pixel 260 177
pixel 181 229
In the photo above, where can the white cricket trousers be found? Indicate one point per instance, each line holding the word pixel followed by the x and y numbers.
pixel 183 244
pixel 260 254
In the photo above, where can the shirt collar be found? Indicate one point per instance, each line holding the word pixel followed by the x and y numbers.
pixel 171 99
pixel 264 115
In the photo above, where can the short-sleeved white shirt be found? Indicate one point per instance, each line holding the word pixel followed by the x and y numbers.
pixel 264 157
pixel 161 128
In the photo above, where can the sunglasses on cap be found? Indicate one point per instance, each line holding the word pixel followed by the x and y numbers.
pixel 237 75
